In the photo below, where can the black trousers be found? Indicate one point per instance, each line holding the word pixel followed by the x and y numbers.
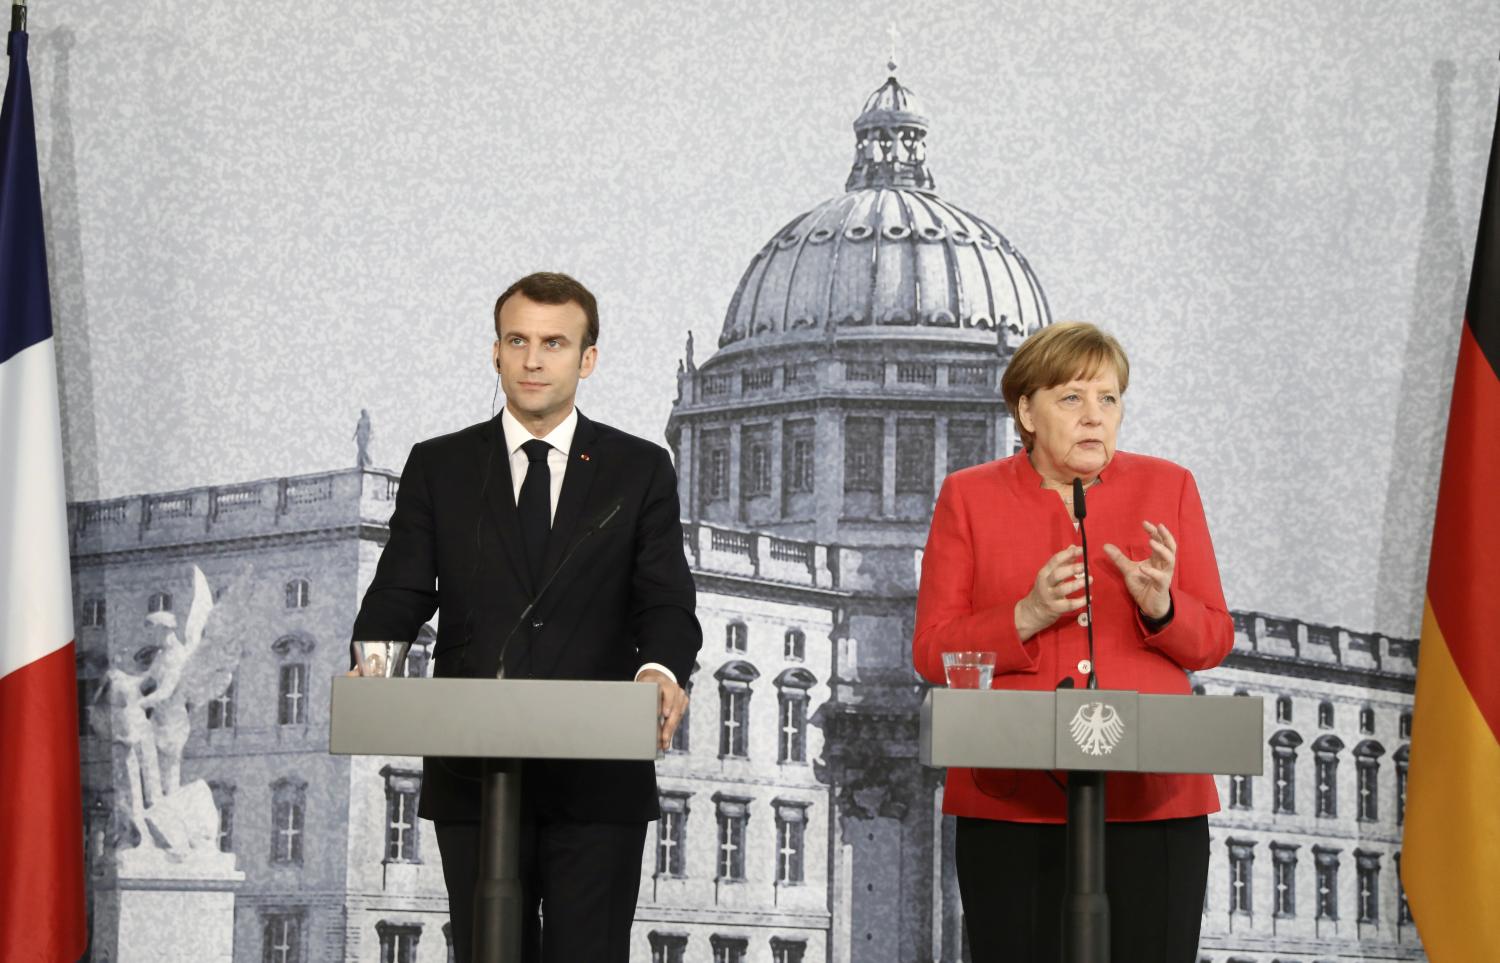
pixel 1011 880
pixel 579 883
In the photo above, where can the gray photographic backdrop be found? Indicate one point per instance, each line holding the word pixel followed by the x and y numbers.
pixel 263 218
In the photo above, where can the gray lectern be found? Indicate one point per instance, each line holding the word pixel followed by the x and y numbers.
pixel 501 721
pixel 1088 732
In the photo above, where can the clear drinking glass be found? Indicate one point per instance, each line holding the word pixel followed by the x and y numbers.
pixel 382 659
pixel 969 670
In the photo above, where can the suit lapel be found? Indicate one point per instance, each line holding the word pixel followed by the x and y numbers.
pixel 574 496
pixel 500 500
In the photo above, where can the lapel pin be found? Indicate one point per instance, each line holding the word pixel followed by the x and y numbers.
pixel 584 455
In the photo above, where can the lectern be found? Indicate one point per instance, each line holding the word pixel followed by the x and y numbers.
pixel 1088 732
pixel 501 721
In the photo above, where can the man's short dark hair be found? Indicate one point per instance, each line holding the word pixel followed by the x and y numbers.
pixel 552 287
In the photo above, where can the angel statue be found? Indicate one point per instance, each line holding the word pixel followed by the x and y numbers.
pixel 148 714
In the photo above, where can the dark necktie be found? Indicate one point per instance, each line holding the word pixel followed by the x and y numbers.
pixel 535 506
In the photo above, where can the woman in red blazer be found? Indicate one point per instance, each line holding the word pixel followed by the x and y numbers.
pixel 1003 573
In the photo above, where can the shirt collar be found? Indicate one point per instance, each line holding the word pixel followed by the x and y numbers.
pixel 516 434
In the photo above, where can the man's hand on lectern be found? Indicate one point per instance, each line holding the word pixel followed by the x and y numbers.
pixel 672 702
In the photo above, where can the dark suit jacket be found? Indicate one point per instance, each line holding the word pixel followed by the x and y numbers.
pixel 625 598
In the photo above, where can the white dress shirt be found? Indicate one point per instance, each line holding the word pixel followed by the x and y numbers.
pixel 561 440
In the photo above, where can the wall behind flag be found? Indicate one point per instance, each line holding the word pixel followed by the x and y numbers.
pixel 264 218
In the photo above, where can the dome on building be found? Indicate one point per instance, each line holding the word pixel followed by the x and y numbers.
pixel 888 258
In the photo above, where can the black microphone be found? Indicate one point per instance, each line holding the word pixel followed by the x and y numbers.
pixel 603 518
pixel 1079 511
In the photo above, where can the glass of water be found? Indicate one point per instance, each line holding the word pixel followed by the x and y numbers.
pixel 969 670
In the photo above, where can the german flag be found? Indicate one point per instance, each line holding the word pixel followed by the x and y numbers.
pixel 1450 862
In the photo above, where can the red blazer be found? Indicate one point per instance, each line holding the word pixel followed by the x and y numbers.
pixel 994 526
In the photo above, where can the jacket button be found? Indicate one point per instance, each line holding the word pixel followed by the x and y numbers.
pixel 1085 667
pixel 1083 619
pixel 537 624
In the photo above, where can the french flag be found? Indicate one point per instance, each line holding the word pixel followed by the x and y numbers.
pixel 42 913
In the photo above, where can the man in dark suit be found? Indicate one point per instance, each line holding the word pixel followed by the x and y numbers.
pixel 484 517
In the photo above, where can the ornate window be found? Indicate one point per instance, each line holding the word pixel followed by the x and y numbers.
pixel 864 454
pixel 1367 866
pixel 159 602
pixel 791 731
pixel 288 811
pixel 966 445
pixel 1367 774
pixel 734 708
pixel 398 943
pixel 1326 757
pixel 733 814
pixel 914 452
pixel 221 708
pixel 715 466
pixel 1327 861
pixel 1284 766
pixel 291 690
pixel 791 826
pixel 281 936
pixel 1284 858
pixel 729 949
pixel 223 793
pixel 1241 865
pixel 1240 791
pixel 668 947
pixel 755 461
pixel 794 645
pixel 671 834
pixel 788 951
pixel 402 788
pixel 298 593
pixel 799 468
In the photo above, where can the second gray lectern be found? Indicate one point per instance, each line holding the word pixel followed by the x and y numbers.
pixel 501 721
pixel 1088 732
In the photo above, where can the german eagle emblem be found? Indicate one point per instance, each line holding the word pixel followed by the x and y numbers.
pixel 1096 728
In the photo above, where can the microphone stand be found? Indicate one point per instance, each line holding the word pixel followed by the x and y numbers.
pixel 497 895
pixel 1085 917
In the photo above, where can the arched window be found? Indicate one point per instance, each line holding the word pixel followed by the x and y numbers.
pixel 1367 720
pixel 159 602
pixel 1284 709
pixel 294 651
pixel 734 708
pixel 791 734
pixel 288 816
pixel 1325 714
pixel 794 645
pixel 1284 767
pixel 1326 751
pixel 736 636
pixel 1367 773
pixel 298 593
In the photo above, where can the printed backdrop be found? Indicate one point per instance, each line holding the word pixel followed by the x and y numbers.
pixel 266 217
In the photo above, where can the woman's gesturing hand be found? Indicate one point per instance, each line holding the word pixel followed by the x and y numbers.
pixel 1149 581
pixel 1048 600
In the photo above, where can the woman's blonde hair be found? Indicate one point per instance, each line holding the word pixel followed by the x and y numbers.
pixel 1056 354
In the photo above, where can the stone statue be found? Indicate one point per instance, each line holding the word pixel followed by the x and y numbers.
pixel 363 433
pixel 148 717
